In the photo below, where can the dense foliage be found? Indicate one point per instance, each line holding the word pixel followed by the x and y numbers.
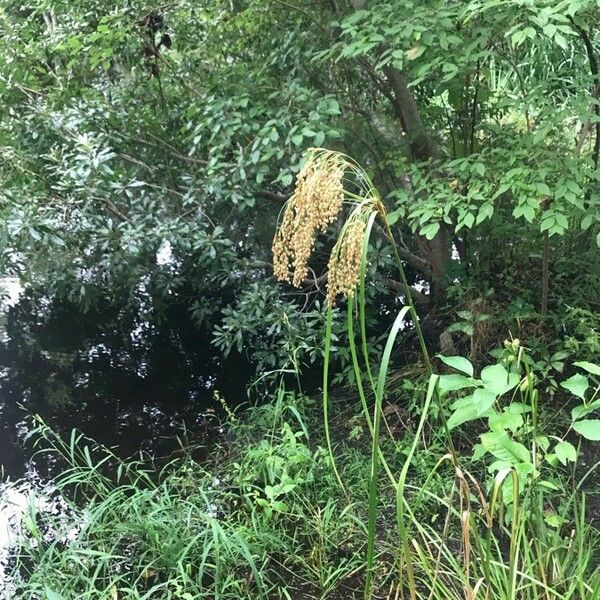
pixel 129 130
pixel 149 155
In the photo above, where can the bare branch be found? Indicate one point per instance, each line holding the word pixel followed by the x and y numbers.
pixel 112 207
pixel 418 297
pixel 274 196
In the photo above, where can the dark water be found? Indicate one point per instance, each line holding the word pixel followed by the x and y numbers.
pixel 128 383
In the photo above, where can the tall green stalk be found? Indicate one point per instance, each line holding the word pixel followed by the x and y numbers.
pixel 326 398
pixel 375 450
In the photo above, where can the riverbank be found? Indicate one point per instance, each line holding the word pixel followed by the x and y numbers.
pixel 265 517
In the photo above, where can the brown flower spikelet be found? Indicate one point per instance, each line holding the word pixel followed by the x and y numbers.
pixel 316 202
pixel 345 261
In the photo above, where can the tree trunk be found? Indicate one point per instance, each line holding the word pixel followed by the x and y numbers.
pixel 438 251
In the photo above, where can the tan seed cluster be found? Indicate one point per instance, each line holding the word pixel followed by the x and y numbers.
pixel 316 203
pixel 345 261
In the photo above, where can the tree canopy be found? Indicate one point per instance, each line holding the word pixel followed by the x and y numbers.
pixel 129 129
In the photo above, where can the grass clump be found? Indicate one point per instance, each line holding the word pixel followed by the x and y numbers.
pixel 261 519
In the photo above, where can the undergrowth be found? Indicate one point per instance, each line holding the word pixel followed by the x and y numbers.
pixel 265 517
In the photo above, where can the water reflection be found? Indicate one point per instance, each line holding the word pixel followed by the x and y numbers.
pixel 134 386
pixel 130 384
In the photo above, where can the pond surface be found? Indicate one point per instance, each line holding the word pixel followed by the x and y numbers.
pixel 132 385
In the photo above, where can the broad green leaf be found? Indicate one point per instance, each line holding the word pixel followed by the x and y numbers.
pixel 478 452
pixel 430 231
pixel 457 362
pixel 589 429
pixel 518 408
pixel 498 380
pixel 393 216
pixel 499 465
pixel 588 366
pixel 503 447
pixel 565 452
pixel 577 385
pixel 319 138
pixel 543 188
pixel 505 420
pixel 471 408
pixel 454 382
pixel 479 168
pixel 584 409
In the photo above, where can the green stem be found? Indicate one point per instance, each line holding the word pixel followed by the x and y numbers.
pixel 415 317
pixel 376 450
pixel 326 398
pixel 400 488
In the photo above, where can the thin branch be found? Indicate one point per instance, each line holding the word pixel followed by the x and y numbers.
pixel 172 151
pixel 136 161
pixel 111 207
pixel 418 297
pixel 274 196
pixel 305 12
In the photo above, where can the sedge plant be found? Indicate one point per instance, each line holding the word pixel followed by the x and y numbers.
pixel 328 184
pixel 328 181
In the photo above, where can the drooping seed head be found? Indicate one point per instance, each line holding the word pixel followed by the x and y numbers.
pixel 316 202
pixel 345 261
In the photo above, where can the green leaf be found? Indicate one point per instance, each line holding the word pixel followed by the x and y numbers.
pixel 543 188
pixel 584 409
pixel 457 362
pixel 587 221
pixel 518 408
pixel 430 230
pixel 589 429
pixel 393 216
pixel 498 380
pixel 52 595
pixel 565 452
pixel 471 408
pixel 287 179
pixel 543 442
pixel 479 168
pixel 485 212
pixel 554 519
pixel 588 366
pixel 505 420
pixel 549 485
pixel 577 385
pixel 319 138
pixel 501 446
pixel 454 382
